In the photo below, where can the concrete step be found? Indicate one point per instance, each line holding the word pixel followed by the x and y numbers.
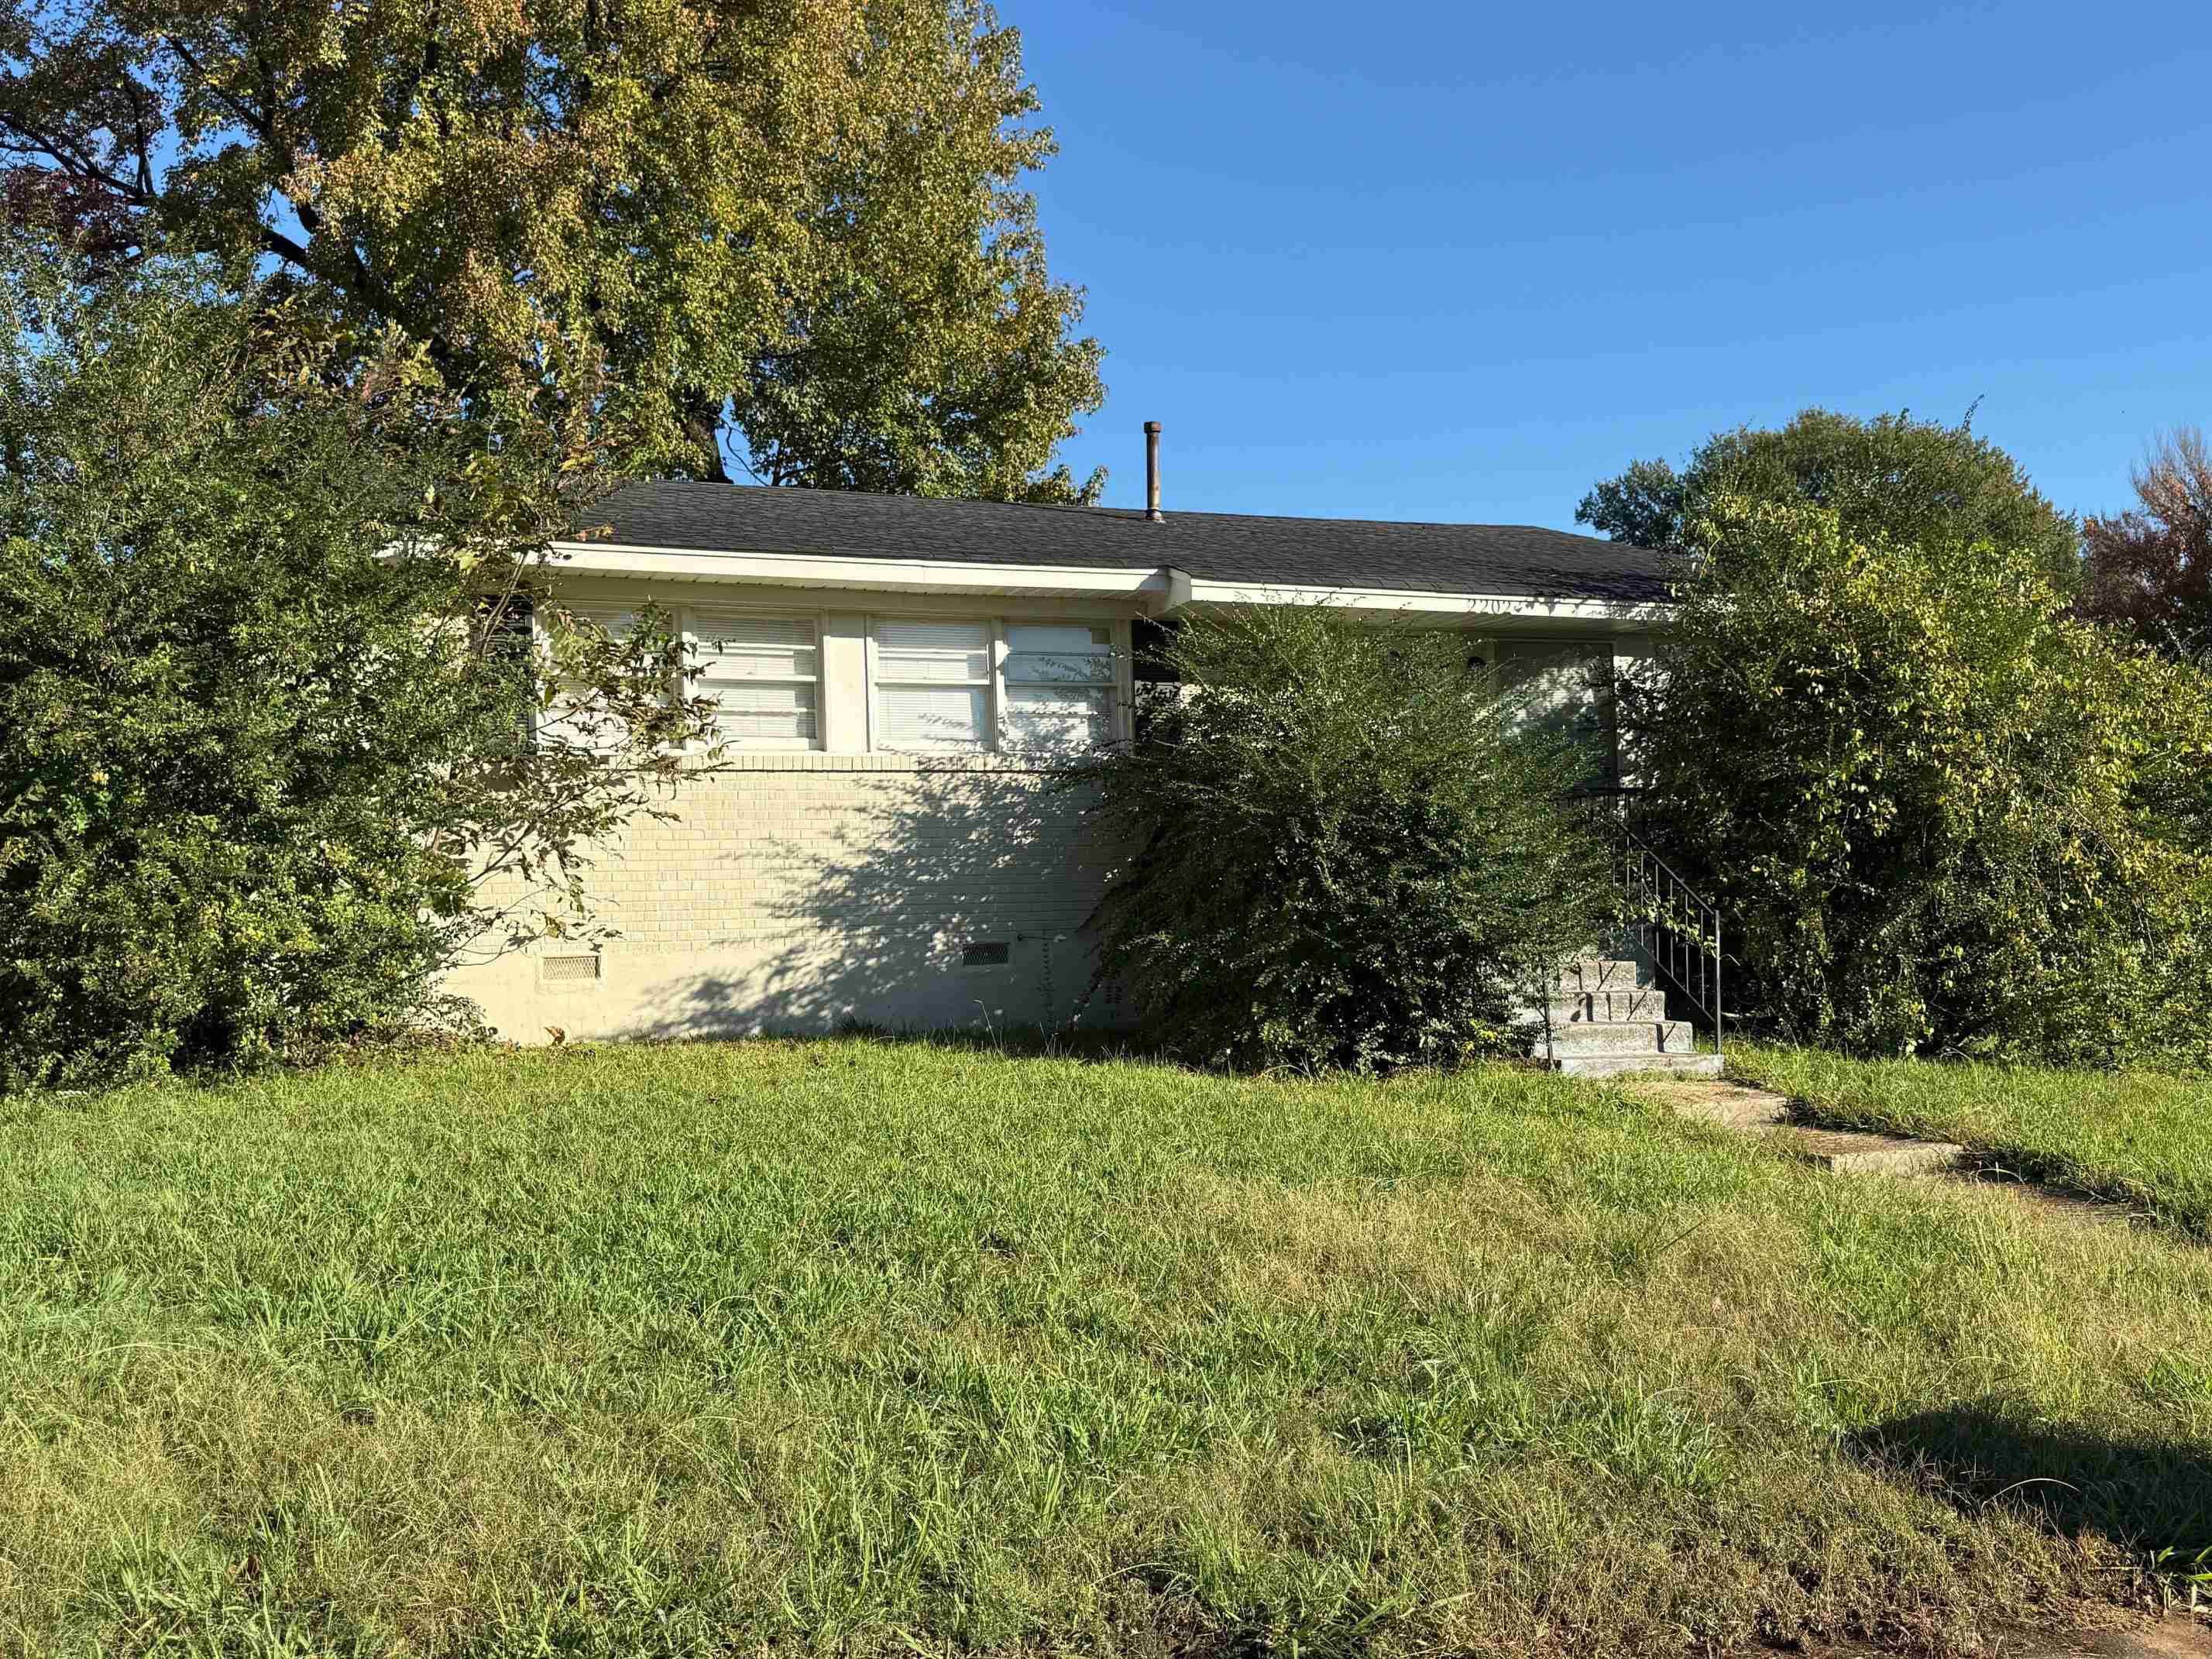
pixel 1732 1105
pixel 1846 1152
pixel 1589 974
pixel 1599 1008
pixel 1638 1036
pixel 1762 1113
pixel 1684 1064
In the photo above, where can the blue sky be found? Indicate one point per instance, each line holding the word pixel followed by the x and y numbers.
pixel 1456 262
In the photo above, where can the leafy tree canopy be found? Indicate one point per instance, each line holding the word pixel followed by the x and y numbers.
pixel 2150 567
pixel 803 216
pixel 1908 483
pixel 1941 815
pixel 263 763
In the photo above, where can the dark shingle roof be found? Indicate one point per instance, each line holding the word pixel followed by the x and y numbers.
pixel 1233 547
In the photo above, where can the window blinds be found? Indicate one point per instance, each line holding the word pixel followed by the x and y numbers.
pixel 763 674
pixel 576 719
pixel 1060 685
pixel 934 685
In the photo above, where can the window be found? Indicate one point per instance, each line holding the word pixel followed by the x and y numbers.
pixel 793 680
pixel 972 686
pixel 934 685
pixel 575 718
pixel 506 620
pixel 764 675
pixel 1060 685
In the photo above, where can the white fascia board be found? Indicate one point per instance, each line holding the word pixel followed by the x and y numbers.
pixel 1185 590
pixel 1156 591
pixel 1148 587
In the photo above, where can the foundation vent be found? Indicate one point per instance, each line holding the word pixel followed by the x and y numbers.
pixel 569 970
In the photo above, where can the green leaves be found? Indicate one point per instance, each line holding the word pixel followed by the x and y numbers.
pixel 259 766
pixel 1891 479
pixel 1940 815
pixel 1342 853
pixel 655 219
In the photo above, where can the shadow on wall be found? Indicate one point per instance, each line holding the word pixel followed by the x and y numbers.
pixel 2149 1495
pixel 954 899
pixel 1567 691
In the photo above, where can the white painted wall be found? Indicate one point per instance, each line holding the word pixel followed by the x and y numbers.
pixel 799 890
pixel 804 891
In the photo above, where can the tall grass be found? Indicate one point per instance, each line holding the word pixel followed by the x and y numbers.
pixel 878 1348
pixel 2137 1138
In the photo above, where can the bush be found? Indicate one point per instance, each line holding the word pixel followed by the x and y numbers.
pixel 259 697
pixel 1341 851
pixel 1911 482
pixel 1939 816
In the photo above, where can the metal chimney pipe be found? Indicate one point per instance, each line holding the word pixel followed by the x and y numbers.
pixel 1153 472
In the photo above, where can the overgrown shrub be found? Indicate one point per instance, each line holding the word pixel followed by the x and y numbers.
pixel 1939 816
pixel 261 693
pixel 1943 489
pixel 1342 848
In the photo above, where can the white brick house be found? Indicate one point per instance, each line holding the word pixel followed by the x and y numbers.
pixel 893 672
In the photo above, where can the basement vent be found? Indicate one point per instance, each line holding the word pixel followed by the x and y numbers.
pixel 993 953
pixel 569 970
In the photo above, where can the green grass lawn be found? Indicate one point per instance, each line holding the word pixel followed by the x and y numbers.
pixel 2140 1139
pixel 892 1349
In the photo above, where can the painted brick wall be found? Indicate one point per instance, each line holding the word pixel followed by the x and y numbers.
pixel 802 892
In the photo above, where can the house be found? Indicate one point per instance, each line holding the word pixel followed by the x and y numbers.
pixel 893 673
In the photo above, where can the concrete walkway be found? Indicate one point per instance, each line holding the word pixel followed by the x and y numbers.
pixel 1762 1112
pixel 2178 1635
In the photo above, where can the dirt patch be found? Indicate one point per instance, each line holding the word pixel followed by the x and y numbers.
pixel 2178 1635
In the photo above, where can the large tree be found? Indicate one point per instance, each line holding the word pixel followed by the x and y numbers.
pixel 1892 478
pixel 791 227
pixel 264 679
pixel 2151 567
pixel 1941 815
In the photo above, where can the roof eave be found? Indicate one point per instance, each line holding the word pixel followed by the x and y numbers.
pixel 1147 585
pixel 1160 590
pixel 1521 607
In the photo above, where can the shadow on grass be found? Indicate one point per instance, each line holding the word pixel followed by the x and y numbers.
pixel 2048 1177
pixel 2148 1495
pixel 2124 1200
pixel 1340 1622
pixel 1086 1045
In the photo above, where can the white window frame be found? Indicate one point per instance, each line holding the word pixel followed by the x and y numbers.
pixel 994 686
pixel 1111 684
pixel 543 721
pixel 688 617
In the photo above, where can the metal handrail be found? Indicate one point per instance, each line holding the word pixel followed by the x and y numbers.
pixel 1680 930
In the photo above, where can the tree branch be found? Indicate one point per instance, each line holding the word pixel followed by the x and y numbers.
pixel 405 98
pixel 258 124
pixel 72 160
pixel 145 150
